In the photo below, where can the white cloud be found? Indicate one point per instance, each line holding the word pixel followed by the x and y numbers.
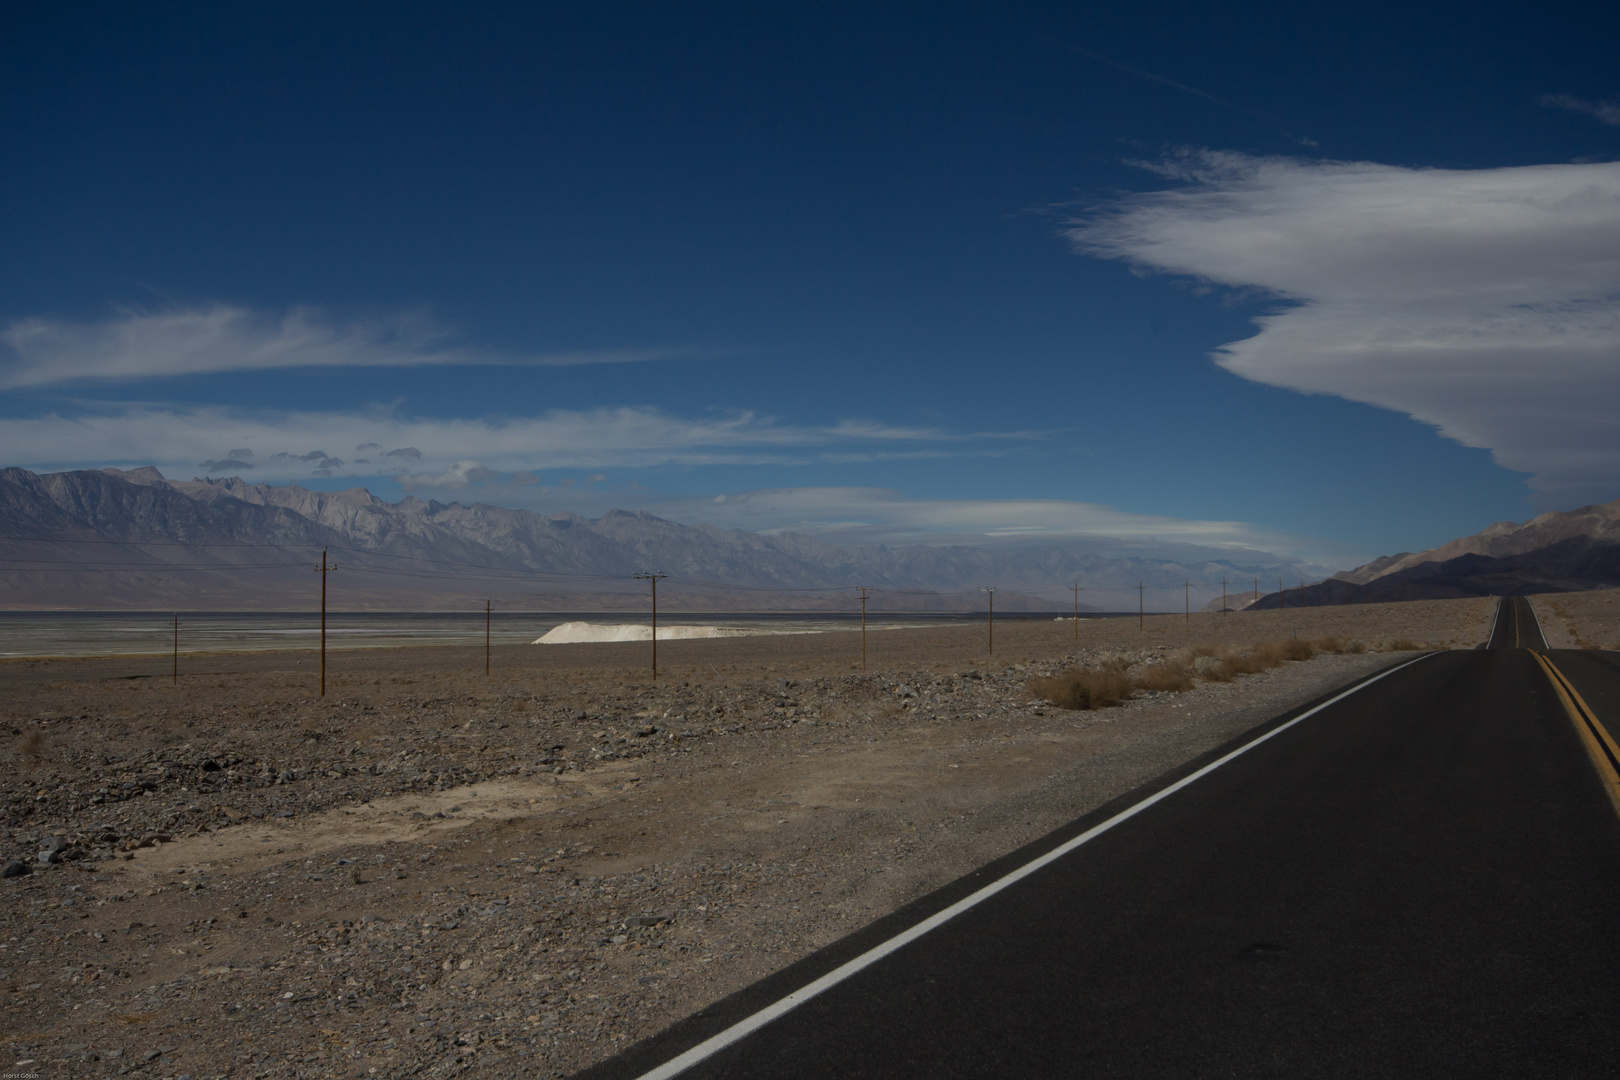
pixel 181 440
pixel 1485 302
pixel 879 515
pixel 863 515
pixel 456 477
pixel 225 338
pixel 495 460
pixel 1604 112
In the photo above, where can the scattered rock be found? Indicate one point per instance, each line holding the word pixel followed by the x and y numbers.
pixel 648 920
pixel 557 929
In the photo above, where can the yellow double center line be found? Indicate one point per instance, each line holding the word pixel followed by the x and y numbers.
pixel 1600 745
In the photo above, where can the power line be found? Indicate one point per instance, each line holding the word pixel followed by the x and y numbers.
pixel 652 577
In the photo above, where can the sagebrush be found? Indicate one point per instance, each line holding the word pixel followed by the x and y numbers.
pixel 1109 683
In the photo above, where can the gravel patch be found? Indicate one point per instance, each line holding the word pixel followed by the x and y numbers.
pixel 429 872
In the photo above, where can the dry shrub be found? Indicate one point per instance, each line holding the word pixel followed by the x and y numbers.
pixel 1166 676
pixel 32 743
pixel 1084 688
pixel 1107 684
pixel 1405 645
pixel 1269 654
pixel 1243 664
pixel 1296 649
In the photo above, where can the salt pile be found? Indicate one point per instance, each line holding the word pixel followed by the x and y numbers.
pixel 575 633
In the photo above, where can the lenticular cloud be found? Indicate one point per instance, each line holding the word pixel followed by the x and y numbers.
pixel 1486 303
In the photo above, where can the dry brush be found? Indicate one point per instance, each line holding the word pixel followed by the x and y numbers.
pixel 1115 681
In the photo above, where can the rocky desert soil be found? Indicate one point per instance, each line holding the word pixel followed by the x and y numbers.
pixel 431 872
pixel 1583 620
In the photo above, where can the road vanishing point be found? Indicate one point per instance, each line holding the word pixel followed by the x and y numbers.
pixel 1416 876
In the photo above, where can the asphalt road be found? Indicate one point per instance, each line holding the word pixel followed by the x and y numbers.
pixel 1516 626
pixel 1421 879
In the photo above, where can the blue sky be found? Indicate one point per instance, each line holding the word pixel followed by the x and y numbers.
pixel 1333 280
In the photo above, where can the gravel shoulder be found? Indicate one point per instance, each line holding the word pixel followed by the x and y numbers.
pixel 1583 620
pixel 432 872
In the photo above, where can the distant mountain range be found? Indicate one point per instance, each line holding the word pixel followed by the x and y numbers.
pixel 110 539
pixel 1556 552
pixel 1233 601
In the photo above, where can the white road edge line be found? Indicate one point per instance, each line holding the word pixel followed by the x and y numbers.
pixel 1501 602
pixel 747 1026
pixel 1541 633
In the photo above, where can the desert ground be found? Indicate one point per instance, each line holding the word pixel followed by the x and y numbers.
pixel 429 871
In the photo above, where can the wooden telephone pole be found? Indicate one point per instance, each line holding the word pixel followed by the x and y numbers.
pixel 654 578
pixel 177 648
pixel 1224 609
pixel 1077 591
pixel 865 595
pixel 1141 616
pixel 486 639
pixel 990 591
pixel 323 570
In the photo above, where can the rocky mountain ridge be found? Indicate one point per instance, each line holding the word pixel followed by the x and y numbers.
pixel 110 538
pixel 1559 551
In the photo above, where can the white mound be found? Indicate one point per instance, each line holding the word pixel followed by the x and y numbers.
pixel 576 633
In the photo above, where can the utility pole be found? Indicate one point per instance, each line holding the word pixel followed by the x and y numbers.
pixel 177 648
pixel 1141 616
pixel 486 639
pixel 1077 591
pixel 1256 590
pixel 865 593
pixel 654 578
pixel 1224 609
pixel 1282 598
pixel 990 591
pixel 323 570
pixel 1186 590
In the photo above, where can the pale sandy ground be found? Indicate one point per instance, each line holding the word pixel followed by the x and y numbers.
pixel 613 854
pixel 1583 620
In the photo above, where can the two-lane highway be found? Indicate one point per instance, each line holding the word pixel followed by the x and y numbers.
pixel 1516 626
pixel 1420 879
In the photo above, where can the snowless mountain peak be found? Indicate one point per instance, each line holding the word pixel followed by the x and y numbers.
pixel 225 521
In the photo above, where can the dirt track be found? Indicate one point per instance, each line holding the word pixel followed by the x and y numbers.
pixel 260 883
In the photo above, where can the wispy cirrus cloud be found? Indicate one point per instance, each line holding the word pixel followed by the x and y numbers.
pixel 880 515
pixel 1483 302
pixel 438 452
pixel 218 338
pixel 1604 112
pixel 868 515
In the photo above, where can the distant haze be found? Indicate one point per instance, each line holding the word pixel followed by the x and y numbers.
pixel 108 539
